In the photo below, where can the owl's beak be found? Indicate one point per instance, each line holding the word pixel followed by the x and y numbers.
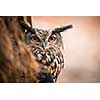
pixel 44 45
pixel 61 29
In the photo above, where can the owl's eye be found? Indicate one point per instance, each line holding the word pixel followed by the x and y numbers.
pixel 52 39
pixel 34 38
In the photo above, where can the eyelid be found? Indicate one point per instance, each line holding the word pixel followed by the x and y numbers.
pixel 34 36
pixel 53 35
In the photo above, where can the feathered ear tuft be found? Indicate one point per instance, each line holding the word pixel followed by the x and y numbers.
pixel 25 25
pixel 61 29
pixel 26 19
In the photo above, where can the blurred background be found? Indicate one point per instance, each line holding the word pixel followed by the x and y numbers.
pixel 81 46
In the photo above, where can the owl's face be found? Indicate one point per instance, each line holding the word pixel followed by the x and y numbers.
pixel 47 47
pixel 44 39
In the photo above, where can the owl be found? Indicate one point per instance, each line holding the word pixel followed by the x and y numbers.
pixel 47 47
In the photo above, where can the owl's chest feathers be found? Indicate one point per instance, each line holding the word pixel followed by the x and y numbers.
pixel 52 58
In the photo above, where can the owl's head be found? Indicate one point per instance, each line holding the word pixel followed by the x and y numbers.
pixel 44 38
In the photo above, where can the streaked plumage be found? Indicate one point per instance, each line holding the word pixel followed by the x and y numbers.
pixel 47 46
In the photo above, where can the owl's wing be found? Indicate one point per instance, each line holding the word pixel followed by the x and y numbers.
pixel 17 64
pixel 26 19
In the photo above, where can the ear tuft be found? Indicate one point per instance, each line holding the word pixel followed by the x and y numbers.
pixel 25 26
pixel 61 29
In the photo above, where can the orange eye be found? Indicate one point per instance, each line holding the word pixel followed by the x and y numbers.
pixel 34 38
pixel 52 39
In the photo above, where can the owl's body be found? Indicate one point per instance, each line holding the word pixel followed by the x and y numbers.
pixel 47 46
pixel 47 51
